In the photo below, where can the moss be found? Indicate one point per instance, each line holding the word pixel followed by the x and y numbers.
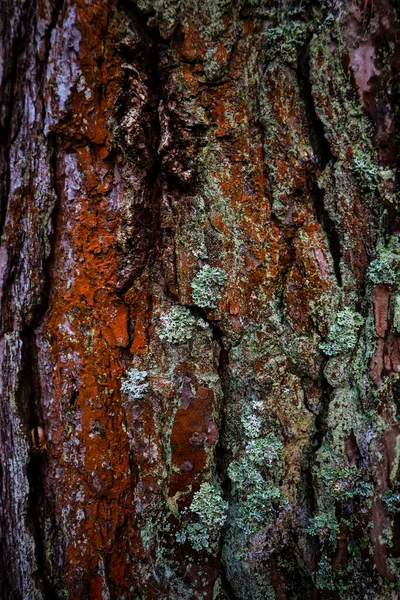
pixel 343 334
pixel 134 384
pixel 206 286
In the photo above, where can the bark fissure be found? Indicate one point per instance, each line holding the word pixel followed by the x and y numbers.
pixel 222 155
pixel 10 122
pixel 323 154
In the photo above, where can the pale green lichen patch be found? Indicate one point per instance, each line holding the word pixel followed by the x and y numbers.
pixel 134 384
pixel 206 286
pixel 385 268
pixel 364 170
pixel 177 325
pixel 344 333
pixel 391 501
pixel 396 312
pixel 257 494
pixel 284 40
pixel 211 511
pixel 345 483
pixel 324 526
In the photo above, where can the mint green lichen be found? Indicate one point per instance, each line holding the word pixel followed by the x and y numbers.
pixel 257 495
pixel 177 325
pixel 324 575
pixel 364 171
pixel 251 425
pixel 344 333
pixel 346 483
pixel 209 506
pixel 206 286
pixel 211 511
pixel 385 268
pixel 284 40
pixel 324 526
pixel 396 312
pixel 264 451
pixel 391 501
pixel 257 511
pixel 134 384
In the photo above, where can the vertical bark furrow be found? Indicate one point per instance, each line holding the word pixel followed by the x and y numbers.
pixel 200 298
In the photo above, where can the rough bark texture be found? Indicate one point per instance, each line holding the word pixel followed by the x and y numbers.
pixel 200 299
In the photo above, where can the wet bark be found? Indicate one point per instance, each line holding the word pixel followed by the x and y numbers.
pixel 200 299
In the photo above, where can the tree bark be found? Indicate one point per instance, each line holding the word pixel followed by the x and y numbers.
pixel 200 299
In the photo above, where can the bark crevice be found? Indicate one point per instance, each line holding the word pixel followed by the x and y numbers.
pixel 323 153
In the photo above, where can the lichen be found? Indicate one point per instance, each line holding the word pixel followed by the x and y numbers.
pixel 257 494
pixel 177 325
pixel 134 384
pixel 324 525
pixel 385 267
pixel 364 170
pixel 391 501
pixel 344 333
pixel 211 511
pixel 284 39
pixel 206 286
pixel 345 483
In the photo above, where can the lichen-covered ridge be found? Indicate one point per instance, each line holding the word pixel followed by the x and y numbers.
pixel 200 299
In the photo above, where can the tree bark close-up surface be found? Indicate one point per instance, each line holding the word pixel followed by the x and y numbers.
pixel 199 300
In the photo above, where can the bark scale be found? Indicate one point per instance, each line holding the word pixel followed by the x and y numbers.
pixel 200 299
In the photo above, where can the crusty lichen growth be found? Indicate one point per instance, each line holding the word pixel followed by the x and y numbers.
pixel 344 333
pixel 177 325
pixel 385 267
pixel 365 171
pixel 211 511
pixel 135 385
pixel 206 286
pixel 256 491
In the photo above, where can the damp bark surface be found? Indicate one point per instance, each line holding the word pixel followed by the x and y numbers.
pixel 199 300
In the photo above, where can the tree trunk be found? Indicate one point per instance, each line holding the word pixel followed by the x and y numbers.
pixel 200 299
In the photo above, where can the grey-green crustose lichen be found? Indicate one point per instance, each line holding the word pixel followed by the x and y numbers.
pixel 178 325
pixel 385 267
pixel 256 492
pixel 343 334
pixel 206 286
pixel 210 511
pixel 134 384
pixel 364 170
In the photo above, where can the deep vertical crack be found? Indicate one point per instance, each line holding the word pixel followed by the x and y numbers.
pixel 144 58
pixel 37 464
pixel 9 99
pixel 324 155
